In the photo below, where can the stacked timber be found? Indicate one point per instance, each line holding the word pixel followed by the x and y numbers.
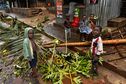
pixel 118 27
pixel 117 22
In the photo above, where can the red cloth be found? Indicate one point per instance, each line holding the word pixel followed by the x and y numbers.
pixel 75 22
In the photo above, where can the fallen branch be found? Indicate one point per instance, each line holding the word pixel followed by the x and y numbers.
pixel 105 42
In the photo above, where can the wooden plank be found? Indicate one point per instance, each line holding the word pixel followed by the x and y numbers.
pixel 114 68
pixel 120 64
pixel 117 22
pixel 111 57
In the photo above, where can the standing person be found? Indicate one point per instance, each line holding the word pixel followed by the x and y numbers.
pixel 29 49
pixel 96 48
pixel 84 29
pixel 67 26
pixel 92 21
pixel 76 19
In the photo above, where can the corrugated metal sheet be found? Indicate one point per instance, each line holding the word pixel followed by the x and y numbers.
pixel 104 9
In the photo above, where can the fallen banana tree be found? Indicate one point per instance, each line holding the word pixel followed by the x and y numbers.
pixel 105 42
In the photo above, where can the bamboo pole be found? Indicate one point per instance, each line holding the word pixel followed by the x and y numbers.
pixel 105 42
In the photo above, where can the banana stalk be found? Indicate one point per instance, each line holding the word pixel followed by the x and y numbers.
pixel 10 43
pixel 16 47
pixel 19 53
pixel 14 51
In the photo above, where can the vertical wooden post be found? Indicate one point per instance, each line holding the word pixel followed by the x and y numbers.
pixel 36 3
pixel 18 3
pixel 27 3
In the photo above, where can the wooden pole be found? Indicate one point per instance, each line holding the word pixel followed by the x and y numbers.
pixel 36 3
pixel 27 3
pixel 19 5
pixel 105 42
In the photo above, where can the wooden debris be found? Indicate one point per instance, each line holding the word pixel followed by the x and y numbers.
pixel 105 42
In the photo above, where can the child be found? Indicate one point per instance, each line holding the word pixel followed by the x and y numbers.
pixel 96 48
pixel 67 27
pixel 84 29
pixel 92 21
pixel 29 49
